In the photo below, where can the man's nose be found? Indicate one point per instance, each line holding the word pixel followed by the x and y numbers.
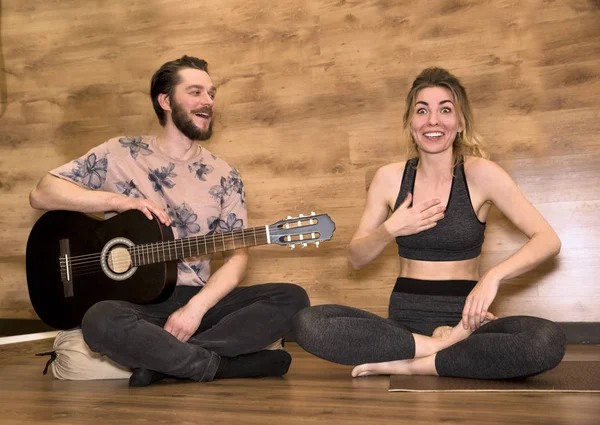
pixel 207 100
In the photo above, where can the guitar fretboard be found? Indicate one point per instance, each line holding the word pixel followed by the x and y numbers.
pixel 196 245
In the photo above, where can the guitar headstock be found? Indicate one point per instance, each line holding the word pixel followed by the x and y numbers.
pixel 302 230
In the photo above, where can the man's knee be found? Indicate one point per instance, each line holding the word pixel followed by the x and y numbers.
pixel 98 322
pixel 294 295
pixel 300 297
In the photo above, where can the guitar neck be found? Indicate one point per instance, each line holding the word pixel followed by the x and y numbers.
pixel 179 249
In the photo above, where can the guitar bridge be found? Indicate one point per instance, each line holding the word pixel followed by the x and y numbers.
pixel 66 271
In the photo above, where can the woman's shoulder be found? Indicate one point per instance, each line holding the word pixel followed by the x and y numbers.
pixel 390 173
pixel 386 180
pixel 476 164
pixel 483 171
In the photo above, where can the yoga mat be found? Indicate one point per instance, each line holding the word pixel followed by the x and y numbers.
pixel 568 376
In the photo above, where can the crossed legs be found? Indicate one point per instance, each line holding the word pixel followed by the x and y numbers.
pixel 512 347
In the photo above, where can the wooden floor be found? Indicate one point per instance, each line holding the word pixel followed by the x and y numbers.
pixel 314 391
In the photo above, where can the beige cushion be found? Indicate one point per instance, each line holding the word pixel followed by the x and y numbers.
pixel 75 361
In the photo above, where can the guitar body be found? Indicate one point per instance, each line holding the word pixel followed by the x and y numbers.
pixel 63 308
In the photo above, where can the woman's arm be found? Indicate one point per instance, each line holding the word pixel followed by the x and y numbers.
pixel 502 191
pixel 371 236
pixel 375 230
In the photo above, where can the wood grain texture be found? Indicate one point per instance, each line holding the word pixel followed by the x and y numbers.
pixel 313 392
pixel 310 103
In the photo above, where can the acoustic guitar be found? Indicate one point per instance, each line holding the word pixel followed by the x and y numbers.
pixel 74 260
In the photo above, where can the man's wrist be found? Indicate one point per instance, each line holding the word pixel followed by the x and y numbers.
pixel 198 303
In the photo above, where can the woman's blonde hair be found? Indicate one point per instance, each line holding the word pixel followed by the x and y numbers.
pixel 466 142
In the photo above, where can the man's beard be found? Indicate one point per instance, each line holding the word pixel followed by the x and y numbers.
pixel 185 124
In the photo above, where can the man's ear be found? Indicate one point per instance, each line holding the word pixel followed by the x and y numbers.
pixel 164 102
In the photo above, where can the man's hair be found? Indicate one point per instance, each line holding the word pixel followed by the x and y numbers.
pixel 167 77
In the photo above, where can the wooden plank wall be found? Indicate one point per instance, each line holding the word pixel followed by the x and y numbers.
pixel 311 95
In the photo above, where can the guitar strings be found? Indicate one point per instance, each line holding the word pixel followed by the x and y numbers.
pixel 144 254
pixel 157 248
pixel 89 263
pixel 177 244
pixel 192 240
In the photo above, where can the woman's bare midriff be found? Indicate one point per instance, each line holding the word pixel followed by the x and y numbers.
pixel 440 270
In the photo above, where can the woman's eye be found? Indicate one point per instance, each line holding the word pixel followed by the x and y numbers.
pixel 421 111
pixel 446 110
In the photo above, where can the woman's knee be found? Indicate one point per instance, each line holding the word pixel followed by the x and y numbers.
pixel 306 323
pixel 542 344
pixel 551 342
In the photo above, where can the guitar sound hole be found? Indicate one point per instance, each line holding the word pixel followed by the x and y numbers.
pixel 119 260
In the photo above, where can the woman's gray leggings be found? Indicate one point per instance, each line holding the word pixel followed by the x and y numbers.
pixel 511 347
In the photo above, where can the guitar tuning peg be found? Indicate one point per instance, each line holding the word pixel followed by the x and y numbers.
pixel 317 244
pixel 292 246
pixel 300 215
pixel 304 245
pixel 289 217
pixel 313 213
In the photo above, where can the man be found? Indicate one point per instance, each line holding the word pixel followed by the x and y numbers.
pixel 207 328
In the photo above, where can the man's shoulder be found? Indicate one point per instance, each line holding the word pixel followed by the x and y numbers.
pixel 131 141
pixel 137 148
pixel 217 162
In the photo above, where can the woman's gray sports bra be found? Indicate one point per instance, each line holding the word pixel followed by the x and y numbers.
pixel 458 236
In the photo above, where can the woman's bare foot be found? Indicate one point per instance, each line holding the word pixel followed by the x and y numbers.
pixel 452 335
pixel 442 332
pixel 419 366
pixel 442 337
pixel 400 367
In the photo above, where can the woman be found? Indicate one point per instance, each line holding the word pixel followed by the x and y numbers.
pixel 435 206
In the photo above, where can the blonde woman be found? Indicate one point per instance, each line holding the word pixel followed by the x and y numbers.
pixel 435 207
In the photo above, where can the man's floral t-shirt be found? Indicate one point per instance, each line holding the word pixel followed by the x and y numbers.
pixel 202 195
